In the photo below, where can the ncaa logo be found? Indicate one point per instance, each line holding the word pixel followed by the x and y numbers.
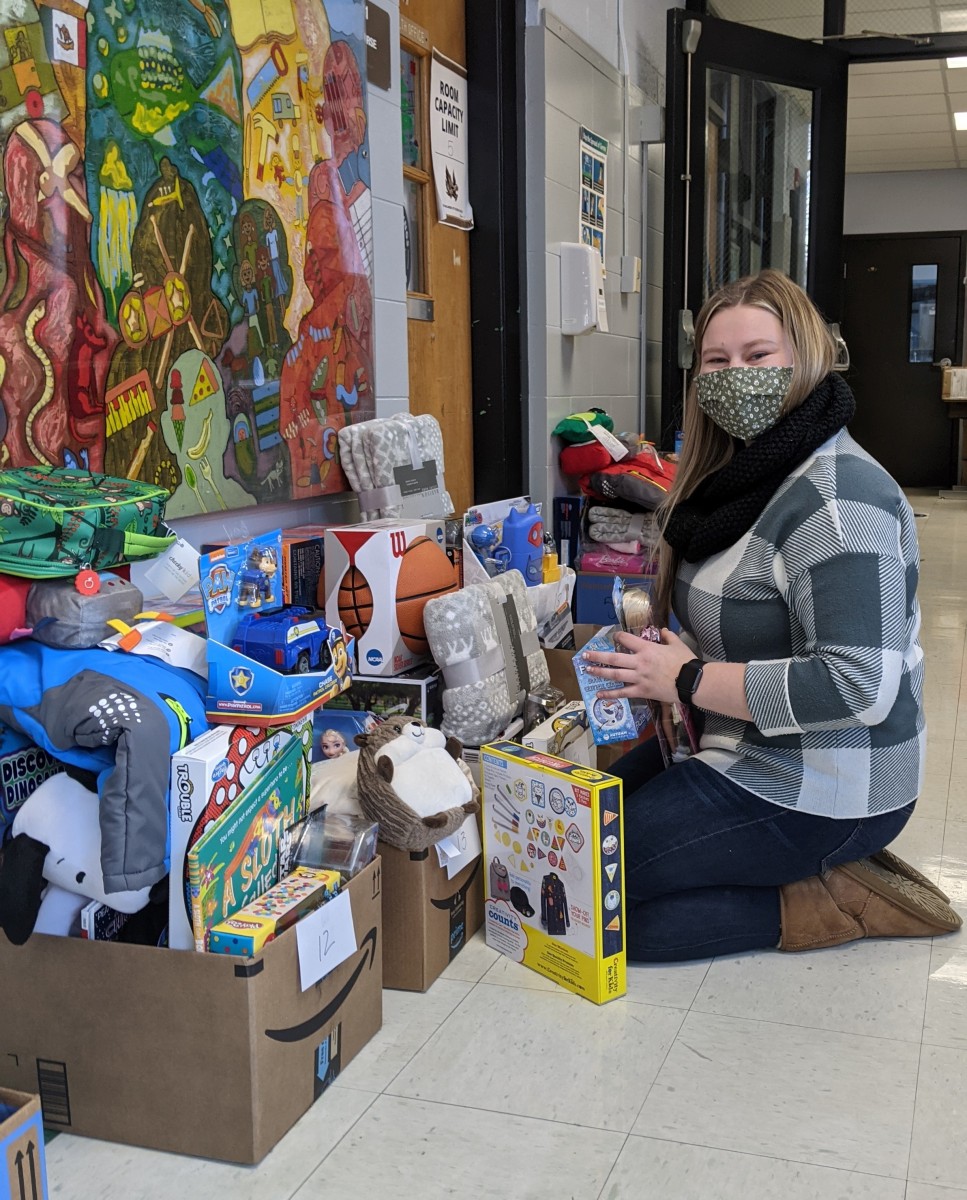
pixel 374 657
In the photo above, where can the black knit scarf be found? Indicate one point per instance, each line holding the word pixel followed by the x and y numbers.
pixel 728 502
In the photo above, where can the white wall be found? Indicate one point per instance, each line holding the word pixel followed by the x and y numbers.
pixel 905 202
pixel 389 294
pixel 596 22
pixel 571 82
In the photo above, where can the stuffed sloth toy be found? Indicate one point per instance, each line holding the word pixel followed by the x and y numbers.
pixel 56 841
pixel 413 782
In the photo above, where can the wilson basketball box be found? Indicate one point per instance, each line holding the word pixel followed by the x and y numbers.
pixel 379 576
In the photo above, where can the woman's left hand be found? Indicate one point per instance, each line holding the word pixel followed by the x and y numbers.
pixel 650 669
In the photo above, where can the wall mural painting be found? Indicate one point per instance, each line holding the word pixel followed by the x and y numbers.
pixel 186 286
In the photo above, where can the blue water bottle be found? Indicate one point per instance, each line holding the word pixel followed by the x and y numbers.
pixel 523 538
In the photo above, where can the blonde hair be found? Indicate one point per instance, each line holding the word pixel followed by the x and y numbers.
pixel 705 446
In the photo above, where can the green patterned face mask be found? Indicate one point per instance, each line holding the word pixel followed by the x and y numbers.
pixel 744 401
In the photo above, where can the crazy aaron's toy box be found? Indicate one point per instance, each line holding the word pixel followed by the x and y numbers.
pixel 553 856
pixel 202 1054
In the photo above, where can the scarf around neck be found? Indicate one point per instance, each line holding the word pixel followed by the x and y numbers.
pixel 727 503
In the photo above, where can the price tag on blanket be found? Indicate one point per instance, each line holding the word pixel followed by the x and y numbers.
pixel 326 938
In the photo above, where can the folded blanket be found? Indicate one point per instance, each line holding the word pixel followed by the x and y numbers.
pixel 371 451
pixel 489 653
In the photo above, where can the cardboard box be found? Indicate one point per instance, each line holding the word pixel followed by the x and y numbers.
pixel 193 1053
pixel 593 604
pixel 428 918
pixel 554 880
pixel 206 777
pixel 23 1165
pixel 368 576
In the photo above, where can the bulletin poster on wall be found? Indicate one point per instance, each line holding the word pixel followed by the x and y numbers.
pixel 594 208
pixel 186 286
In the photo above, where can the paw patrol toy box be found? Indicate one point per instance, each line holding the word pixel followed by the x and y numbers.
pixel 268 664
pixel 554 863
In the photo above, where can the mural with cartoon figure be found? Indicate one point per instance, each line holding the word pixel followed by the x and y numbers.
pixel 173 172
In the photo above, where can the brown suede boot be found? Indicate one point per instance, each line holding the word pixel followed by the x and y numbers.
pixel 857 900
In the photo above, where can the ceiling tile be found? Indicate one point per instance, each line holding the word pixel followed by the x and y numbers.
pixel 909 83
pixel 888 106
pixel 925 123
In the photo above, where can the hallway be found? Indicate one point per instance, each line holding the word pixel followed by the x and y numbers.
pixel 840 1074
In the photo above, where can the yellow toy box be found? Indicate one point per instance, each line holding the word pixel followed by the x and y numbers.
pixel 281 906
pixel 554 852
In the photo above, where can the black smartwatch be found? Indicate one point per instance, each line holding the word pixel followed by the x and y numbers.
pixel 689 677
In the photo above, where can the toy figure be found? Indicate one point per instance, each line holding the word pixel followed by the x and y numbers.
pixel 332 743
pixel 255 578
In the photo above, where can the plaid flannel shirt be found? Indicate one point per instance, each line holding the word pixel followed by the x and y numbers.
pixel 819 600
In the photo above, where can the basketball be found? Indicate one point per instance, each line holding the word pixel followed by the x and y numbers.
pixel 355 600
pixel 425 572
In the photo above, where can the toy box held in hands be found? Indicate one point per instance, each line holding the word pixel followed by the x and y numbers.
pixel 206 777
pixel 379 576
pixel 554 868
pixel 248 662
pixel 612 719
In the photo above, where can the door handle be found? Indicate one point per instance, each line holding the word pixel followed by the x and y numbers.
pixel 842 350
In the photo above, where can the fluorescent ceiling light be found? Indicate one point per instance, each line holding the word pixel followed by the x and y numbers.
pixel 960 120
pixel 954 63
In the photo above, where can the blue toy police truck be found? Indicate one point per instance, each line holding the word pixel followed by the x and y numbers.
pixel 292 639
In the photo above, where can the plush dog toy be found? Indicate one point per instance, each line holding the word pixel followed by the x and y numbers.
pixel 56 839
pixel 412 780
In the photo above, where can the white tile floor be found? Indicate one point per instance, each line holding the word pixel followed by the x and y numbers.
pixel 841 1073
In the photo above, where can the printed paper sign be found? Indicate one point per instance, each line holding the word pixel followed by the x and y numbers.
pixel 448 141
pixel 326 938
pixel 593 215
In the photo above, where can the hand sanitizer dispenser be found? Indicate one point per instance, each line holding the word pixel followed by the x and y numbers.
pixel 582 289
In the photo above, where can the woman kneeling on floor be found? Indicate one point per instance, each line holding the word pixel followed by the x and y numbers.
pixel 790 558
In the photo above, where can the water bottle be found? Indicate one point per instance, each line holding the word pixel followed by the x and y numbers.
pixel 523 538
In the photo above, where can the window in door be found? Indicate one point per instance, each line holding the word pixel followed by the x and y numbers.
pixel 923 311
pixel 414 81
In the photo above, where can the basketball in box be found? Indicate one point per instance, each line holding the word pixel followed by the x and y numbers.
pixel 23 1167
pixel 206 776
pixel 240 584
pixel 553 857
pixel 379 576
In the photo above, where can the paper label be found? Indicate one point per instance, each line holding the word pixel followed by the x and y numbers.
pixel 617 449
pixel 160 639
pixel 326 938
pixel 175 572
pixel 461 848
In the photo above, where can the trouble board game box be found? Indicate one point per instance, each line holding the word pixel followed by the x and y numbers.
pixel 554 868
pixel 23 1166
pixel 206 776
pixel 199 1054
pixel 428 917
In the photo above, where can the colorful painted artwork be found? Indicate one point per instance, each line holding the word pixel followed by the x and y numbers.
pixel 186 287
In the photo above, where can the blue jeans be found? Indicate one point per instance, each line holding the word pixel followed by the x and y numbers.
pixel 704 858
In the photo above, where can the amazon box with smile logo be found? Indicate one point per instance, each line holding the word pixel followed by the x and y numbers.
pixel 201 1054
pixel 429 918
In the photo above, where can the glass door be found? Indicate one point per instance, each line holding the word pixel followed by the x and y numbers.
pixel 754 173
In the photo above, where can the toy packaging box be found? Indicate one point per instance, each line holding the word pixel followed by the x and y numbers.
pixel 237 858
pixel 416 693
pixel 565 734
pixel 301 564
pixel 206 777
pixel 379 576
pixel 201 1054
pixel 255 925
pixel 554 868
pixel 23 1165
pixel 612 719
pixel 239 584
